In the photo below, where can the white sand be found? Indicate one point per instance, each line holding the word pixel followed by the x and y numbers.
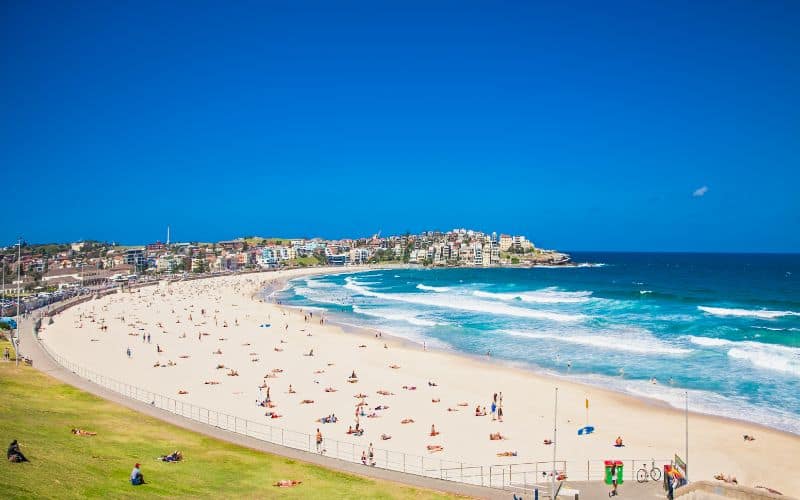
pixel 648 429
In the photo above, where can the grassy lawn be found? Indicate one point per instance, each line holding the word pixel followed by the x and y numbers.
pixel 39 411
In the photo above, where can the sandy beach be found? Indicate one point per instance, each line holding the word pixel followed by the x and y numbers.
pixel 202 330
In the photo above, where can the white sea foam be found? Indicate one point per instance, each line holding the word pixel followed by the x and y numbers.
pixel 544 296
pixel 748 313
pixel 463 303
pixel 768 356
pixel 312 283
pixel 634 341
pixel 395 315
pixel 645 292
pixel 708 341
pixel 432 288
pixel 772 329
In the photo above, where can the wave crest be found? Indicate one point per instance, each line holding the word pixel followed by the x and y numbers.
pixel 746 313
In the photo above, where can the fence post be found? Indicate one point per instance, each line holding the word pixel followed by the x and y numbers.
pixel 309 443
pixel 587 470
pixel 387 458
pixel 404 462
pixel 490 476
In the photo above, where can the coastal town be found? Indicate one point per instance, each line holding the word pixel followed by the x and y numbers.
pixel 86 263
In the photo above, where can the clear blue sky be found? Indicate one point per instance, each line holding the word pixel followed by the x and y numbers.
pixel 583 125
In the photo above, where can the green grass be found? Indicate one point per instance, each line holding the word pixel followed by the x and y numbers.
pixel 39 411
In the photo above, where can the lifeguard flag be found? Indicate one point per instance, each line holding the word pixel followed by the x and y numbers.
pixel 587 403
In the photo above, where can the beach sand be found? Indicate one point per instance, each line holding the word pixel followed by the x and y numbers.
pixel 649 429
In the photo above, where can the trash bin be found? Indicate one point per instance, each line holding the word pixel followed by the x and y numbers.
pixel 609 464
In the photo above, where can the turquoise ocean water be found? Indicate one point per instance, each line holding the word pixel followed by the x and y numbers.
pixel 725 328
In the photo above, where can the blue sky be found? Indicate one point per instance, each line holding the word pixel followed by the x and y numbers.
pixel 586 126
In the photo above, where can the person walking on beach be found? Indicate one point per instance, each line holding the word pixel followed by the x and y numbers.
pixel 129 352
pixel 500 400
pixel 613 491
pixel 319 440
pixel 500 413
pixel 494 410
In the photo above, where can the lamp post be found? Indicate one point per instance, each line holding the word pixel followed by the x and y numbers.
pixel 555 445
pixel 19 281
pixel 686 427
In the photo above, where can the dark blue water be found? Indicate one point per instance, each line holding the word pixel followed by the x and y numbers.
pixel 726 328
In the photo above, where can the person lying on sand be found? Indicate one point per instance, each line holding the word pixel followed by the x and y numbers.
pixel 386 437
pixel 307 402
pixel 748 437
pixel 211 382
pixel 317 372
pixel 507 454
pixel 360 395
pixel 435 447
pixel 452 409
pixel 157 365
pixel 272 414
pixel 381 407
pixel 81 432
pixel 277 349
pixel 363 345
pixel 435 400
pixel 496 436
pixel 287 483
pixel 277 370
pixel 410 387
pixel 183 392
pixel 407 421
pixel 726 478
pixel 548 441
pixel 373 415
pixel 434 432
pixel 384 392
pixel 463 403
pixel 233 373
pixel 432 384
pixel 330 389
pixel 394 367
pixel 184 356
pixel 218 351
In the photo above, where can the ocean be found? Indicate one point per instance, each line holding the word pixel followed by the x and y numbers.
pixel 723 327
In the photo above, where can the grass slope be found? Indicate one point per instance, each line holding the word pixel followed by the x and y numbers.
pixel 39 411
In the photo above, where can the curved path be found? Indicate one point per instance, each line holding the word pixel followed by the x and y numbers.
pixel 30 346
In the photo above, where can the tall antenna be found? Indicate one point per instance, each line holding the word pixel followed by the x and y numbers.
pixel 167 234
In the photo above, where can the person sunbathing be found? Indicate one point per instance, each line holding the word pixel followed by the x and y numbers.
pixel 183 356
pixel 434 432
pixel 171 363
pixel 452 409
pixel 507 454
pixel 394 367
pixel 363 345
pixel 463 403
pixel 272 414
pixel 211 382
pixel 384 392
pixel 277 349
pixel 381 407
pixel 81 432
pixel 435 400
pixel 183 392
pixel 277 370
pixel 360 395
pixel 287 483
pixel 157 365
pixel 175 456
pixel 496 436
pixel 373 415
pixel 218 351
pixel 548 442
pixel 233 373
pixel 432 384
pixel 748 437
pixel 435 447
pixel 307 402
pixel 330 389
pixel 386 437
pixel 407 421
pixel 317 372
pixel 726 478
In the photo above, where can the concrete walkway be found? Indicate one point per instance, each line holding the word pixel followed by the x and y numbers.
pixel 42 361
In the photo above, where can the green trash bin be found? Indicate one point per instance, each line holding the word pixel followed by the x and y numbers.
pixel 609 464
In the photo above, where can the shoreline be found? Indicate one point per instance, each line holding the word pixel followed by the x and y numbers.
pixel 542 374
pixel 715 442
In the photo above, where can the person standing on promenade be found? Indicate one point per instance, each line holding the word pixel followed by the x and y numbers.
pixel 319 441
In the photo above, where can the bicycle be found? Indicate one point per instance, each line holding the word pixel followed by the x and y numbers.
pixel 654 473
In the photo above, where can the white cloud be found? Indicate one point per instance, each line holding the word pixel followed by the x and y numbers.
pixel 700 191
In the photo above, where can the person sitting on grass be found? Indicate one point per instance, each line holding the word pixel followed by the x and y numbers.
pixel 14 454
pixel 136 475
